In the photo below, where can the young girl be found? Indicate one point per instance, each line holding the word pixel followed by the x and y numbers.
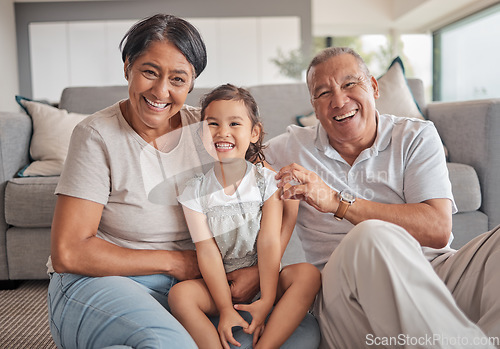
pixel 233 212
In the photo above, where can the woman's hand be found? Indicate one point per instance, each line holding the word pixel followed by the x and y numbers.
pixel 310 188
pixel 245 284
pixel 230 318
pixel 184 265
pixel 259 311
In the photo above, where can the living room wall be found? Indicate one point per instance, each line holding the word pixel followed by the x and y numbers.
pixel 27 13
pixel 8 58
pixel 86 53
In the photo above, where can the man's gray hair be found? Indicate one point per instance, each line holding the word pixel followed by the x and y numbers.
pixel 330 52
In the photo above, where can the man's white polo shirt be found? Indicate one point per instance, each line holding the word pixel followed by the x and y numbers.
pixel 406 164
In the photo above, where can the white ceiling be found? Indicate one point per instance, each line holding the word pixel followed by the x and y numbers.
pixel 355 17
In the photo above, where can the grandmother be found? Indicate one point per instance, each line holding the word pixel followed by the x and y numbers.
pixel 119 239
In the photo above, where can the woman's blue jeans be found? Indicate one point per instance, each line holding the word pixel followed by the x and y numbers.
pixel 114 311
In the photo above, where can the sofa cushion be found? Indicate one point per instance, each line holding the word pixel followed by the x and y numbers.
pixel 418 92
pixel 52 128
pixel 30 201
pixel 466 226
pixel 465 187
pixel 307 120
pixel 29 250
pixel 396 97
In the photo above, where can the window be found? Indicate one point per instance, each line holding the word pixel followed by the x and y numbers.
pixel 466 58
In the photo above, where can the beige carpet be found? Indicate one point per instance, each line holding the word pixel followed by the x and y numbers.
pixel 23 317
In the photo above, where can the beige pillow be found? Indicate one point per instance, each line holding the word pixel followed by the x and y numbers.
pixel 52 128
pixel 307 120
pixel 395 95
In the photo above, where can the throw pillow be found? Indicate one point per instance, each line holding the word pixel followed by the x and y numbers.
pixel 52 128
pixel 395 95
pixel 307 120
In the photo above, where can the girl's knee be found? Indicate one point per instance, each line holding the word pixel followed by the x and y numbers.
pixel 190 295
pixel 177 297
pixel 303 274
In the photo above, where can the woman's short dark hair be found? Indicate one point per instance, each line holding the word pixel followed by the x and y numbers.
pixel 229 92
pixel 163 27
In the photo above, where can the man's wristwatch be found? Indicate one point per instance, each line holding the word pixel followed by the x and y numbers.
pixel 347 198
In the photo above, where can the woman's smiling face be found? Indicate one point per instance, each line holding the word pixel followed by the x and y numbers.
pixel 159 81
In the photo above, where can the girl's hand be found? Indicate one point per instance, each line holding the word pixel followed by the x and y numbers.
pixel 259 311
pixel 229 319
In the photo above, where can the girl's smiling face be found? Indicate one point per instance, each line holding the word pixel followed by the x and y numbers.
pixel 231 129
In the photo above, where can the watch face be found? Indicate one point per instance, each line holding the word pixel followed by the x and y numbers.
pixel 348 196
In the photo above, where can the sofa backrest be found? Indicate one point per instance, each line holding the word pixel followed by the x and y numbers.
pixel 89 99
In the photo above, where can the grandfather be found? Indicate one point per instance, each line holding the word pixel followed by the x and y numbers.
pixel 375 192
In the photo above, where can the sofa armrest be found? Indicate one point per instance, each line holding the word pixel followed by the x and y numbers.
pixel 15 135
pixel 471 132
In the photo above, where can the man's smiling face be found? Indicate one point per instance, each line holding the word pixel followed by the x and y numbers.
pixel 343 97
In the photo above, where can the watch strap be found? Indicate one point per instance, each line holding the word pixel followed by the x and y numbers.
pixel 342 209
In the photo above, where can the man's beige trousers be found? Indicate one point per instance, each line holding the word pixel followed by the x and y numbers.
pixel 379 290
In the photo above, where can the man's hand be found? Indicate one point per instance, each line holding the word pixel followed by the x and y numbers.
pixel 308 187
pixel 245 284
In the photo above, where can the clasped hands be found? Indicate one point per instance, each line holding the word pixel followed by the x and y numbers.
pixel 307 186
pixel 230 318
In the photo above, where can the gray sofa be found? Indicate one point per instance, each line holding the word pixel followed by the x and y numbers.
pixel 470 131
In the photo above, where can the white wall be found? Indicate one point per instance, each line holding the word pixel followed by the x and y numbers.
pixel 9 86
pixel 67 54
pixel 86 53
pixel 31 13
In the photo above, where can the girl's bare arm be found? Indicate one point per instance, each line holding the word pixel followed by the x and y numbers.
pixel 290 211
pixel 209 258
pixel 269 253
pixel 214 275
pixel 269 249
